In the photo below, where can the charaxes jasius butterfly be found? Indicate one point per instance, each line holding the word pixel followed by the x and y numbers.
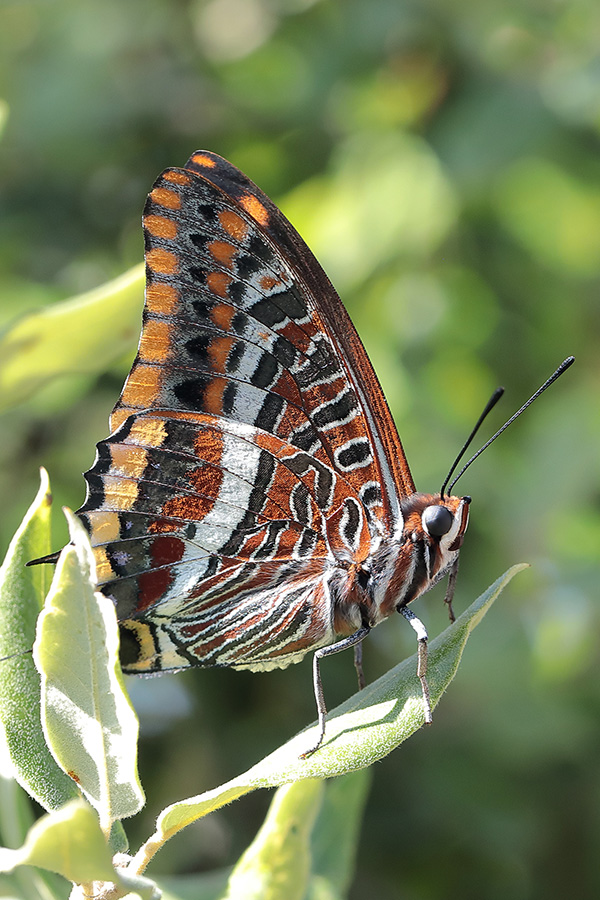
pixel 253 501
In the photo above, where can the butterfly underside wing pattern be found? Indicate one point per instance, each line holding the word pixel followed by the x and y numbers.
pixel 253 501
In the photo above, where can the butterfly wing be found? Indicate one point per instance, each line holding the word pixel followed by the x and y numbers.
pixel 328 312
pixel 253 460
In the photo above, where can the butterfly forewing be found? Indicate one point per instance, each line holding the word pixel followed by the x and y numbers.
pixel 253 460
pixel 328 312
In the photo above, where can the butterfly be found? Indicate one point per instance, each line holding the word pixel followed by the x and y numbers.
pixel 253 502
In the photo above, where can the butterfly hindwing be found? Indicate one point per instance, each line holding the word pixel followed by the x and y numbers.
pixel 186 509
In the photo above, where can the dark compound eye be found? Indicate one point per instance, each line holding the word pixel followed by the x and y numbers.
pixel 437 520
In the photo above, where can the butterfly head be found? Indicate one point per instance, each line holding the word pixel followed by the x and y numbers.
pixel 435 521
pixel 445 521
pixel 432 535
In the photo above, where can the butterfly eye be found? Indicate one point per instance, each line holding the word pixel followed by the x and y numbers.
pixel 437 520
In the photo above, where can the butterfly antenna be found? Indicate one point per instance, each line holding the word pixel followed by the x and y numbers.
pixel 15 655
pixel 488 408
pixel 562 368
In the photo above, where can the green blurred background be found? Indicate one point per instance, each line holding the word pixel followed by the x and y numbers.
pixel 442 160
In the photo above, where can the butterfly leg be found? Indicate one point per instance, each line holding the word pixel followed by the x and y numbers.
pixel 352 641
pixel 358 665
pixel 421 633
pixel 450 589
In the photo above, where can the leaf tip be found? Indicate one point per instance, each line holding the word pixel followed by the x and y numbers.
pixel 44 493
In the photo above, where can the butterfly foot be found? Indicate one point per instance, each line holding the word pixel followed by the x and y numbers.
pixel 314 749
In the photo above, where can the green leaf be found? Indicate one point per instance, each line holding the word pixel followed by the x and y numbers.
pixel 89 723
pixel 68 841
pixel 332 846
pixel 276 865
pixel 360 731
pixel 84 334
pixel 22 592
pixel 290 859
pixel 335 836
pixel 16 818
